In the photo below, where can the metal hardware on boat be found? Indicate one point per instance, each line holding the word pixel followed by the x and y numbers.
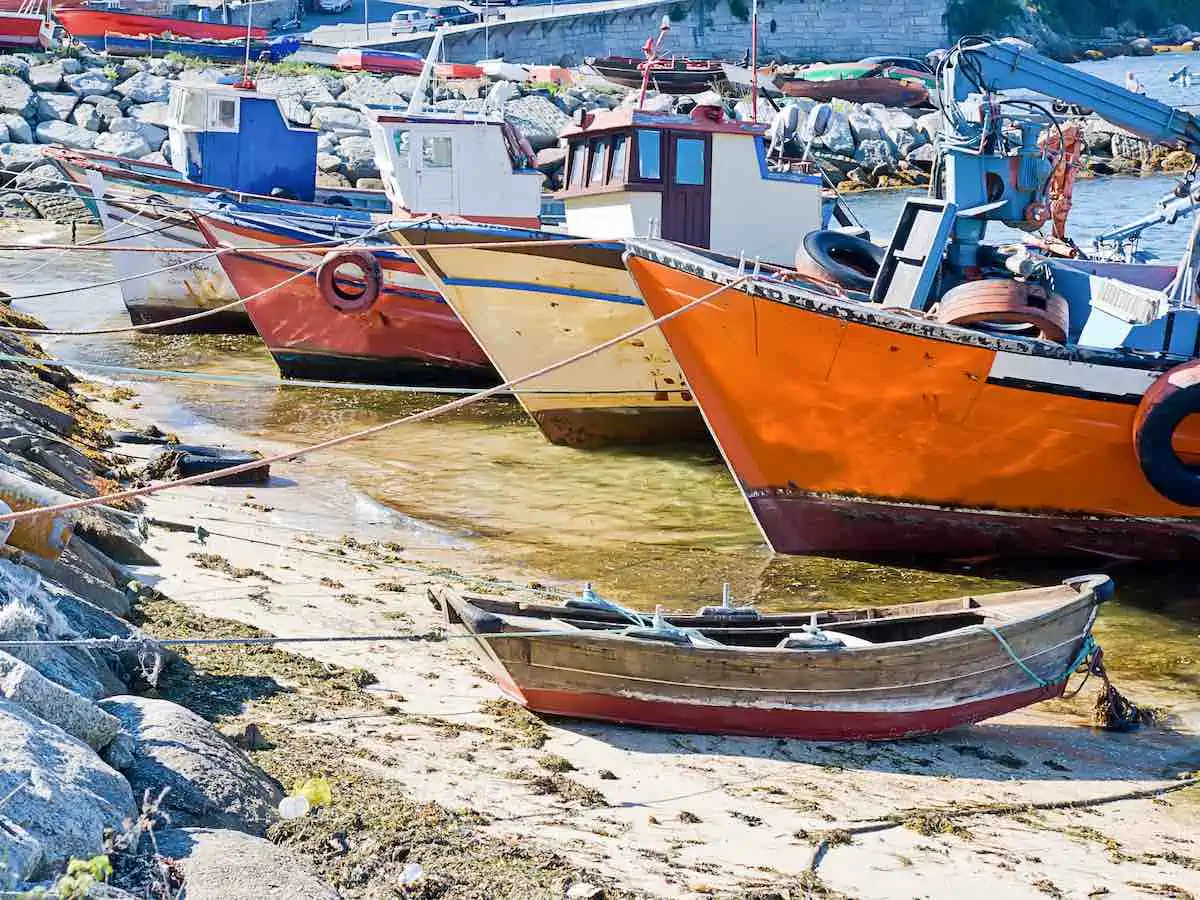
pixel 727 609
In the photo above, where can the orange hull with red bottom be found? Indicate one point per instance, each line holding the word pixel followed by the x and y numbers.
pixel 854 430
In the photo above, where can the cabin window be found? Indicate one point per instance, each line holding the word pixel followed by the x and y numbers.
pixel 437 152
pixel 188 108
pixel 689 161
pixel 223 113
pixel 596 172
pixel 649 163
pixel 616 168
pixel 400 140
pixel 578 163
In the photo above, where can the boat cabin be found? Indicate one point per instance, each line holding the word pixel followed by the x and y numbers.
pixel 698 179
pixel 237 138
pixel 475 168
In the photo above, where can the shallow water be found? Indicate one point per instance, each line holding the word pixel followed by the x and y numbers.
pixel 663 528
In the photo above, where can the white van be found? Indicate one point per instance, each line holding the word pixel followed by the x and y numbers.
pixel 409 20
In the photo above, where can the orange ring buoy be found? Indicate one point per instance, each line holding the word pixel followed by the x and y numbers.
pixel 334 289
pixel 1163 408
pixel 1006 303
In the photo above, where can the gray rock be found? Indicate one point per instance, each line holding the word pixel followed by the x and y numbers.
pixel 295 111
pixel 838 138
pixel 14 65
pixel 48 77
pixel 20 156
pixel 21 854
pixel 908 141
pixel 1127 146
pixel 500 94
pixel 308 89
pixel 211 781
pixel 328 162
pixel 84 115
pixel 369 184
pixel 40 178
pixel 66 134
pixel 200 76
pixel 358 158
pixel 152 113
pixel 228 865
pixel 80 718
pixel 922 156
pixel 538 119
pixel 874 155
pixel 55 107
pixel 1179 34
pixel 88 84
pixel 145 88
pixel 366 90
pixel 162 67
pixel 338 119
pixel 153 135
pixel 125 143
pixel 930 124
pixel 1097 136
pixel 332 180
pixel 4 136
pixel 865 127
pixel 326 141
pixel 18 129
pixel 14 206
pixel 1141 47
pixel 71 66
pixel 130 67
pixel 107 109
pixel 17 97
pixel 67 796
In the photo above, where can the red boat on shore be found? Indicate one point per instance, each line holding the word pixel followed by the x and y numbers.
pixel 25 25
pixel 855 674
pixel 367 316
pixel 96 23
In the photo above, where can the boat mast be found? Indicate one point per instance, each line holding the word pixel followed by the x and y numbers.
pixel 650 48
pixel 416 103
pixel 246 82
pixel 754 62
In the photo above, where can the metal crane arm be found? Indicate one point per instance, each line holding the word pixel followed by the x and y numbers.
pixel 1004 65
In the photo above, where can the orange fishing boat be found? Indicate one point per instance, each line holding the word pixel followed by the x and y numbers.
pixel 855 429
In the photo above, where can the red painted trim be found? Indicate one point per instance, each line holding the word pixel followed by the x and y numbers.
pixel 97 23
pixel 805 724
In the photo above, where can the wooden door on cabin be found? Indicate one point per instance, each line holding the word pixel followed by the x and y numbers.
pixel 687 188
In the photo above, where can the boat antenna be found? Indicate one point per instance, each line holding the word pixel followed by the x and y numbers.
pixel 246 82
pixel 417 102
pixel 650 49
pixel 754 62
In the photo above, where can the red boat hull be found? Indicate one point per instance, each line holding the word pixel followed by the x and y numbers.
pixel 17 30
pixel 409 336
pixel 97 23
pixel 752 721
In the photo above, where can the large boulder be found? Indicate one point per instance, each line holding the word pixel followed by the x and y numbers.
pixel 1097 136
pixel 17 97
pixel 153 135
pixel 358 158
pixel 48 77
pixel 326 141
pixel 1141 47
pixel 123 143
pixel 21 853
pixel 64 133
pixel 145 88
pixel 338 119
pixel 308 89
pixel 19 157
pixel 368 91
pixel 328 162
pixel 930 124
pixel 865 127
pixel 14 65
pixel 207 75
pixel 152 113
pixel 295 111
pixel 93 82
pixel 1179 34
pixel 40 178
pixel 536 118
pixel 78 717
pixel 107 108
pixel 211 781
pixel 837 138
pixel 55 107
pixel 56 788
pixel 18 129
pixel 84 115
pixel 876 156
pixel 227 865
pixel 1130 147
pixel 14 206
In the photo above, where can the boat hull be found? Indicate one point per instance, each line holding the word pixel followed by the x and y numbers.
pixel 409 336
pixel 531 306
pixel 664 79
pixel 888 91
pixel 1004 657
pixel 81 23
pixel 855 432
pixel 22 30
pixel 182 282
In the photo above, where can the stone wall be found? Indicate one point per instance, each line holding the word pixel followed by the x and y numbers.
pixel 789 30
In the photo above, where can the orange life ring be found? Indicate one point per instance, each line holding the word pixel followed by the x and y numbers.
pixel 1170 400
pixel 1009 305
pixel 342 291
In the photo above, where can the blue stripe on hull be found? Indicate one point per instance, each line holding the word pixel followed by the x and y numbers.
pixel 543 289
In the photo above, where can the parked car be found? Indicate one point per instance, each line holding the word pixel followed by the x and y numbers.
pixel 333 6
pixel 452 14
pixel 409 20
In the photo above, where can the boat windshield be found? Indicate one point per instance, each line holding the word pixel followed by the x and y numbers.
pixel 187 108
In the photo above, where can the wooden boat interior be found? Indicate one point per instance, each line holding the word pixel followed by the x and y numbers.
pixel 746 627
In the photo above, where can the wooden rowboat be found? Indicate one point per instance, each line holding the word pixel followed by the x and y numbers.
pixel 858 674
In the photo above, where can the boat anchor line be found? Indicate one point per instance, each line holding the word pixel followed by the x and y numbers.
pixel 366 432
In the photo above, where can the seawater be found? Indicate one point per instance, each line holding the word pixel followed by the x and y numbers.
pixel 646 528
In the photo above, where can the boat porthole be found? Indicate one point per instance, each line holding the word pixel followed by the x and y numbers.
pixel 350 281
pixel 1170 401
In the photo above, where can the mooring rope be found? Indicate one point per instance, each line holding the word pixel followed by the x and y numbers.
pixel 375 429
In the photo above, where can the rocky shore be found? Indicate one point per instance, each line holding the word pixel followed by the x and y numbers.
pixel 90 103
